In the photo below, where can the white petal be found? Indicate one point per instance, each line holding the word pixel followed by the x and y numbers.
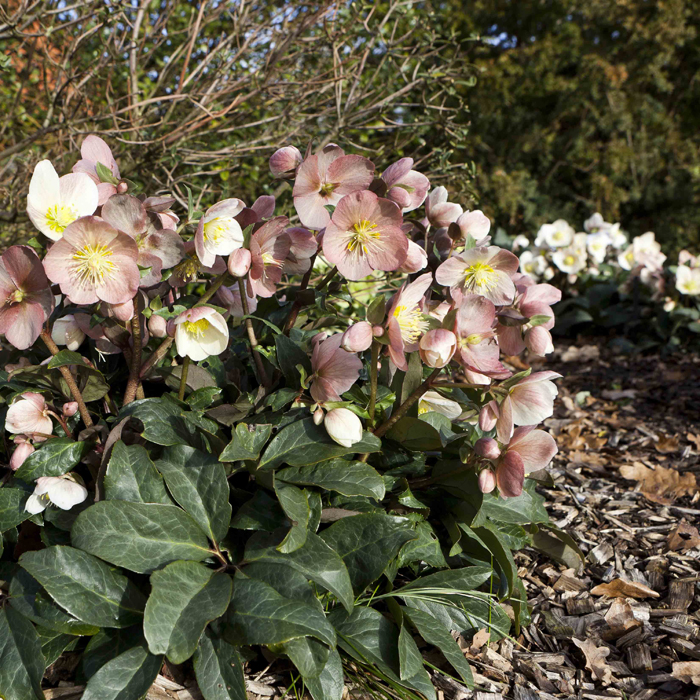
pixel 79 193
pixel 35 504
pixel 66 493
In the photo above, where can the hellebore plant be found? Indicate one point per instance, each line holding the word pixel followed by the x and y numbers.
pixel 231 428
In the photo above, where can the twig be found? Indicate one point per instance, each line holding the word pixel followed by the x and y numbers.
pixel 251 335
pixel 373 381
pixel 134 374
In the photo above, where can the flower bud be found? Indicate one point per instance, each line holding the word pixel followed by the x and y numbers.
pixel 157 326
pixel 343 426
pixel 358 337
pixel 539 341
pixel 170 328
pixel 487 447
pixel 318 416
pixel 70 408
pixel 416 259
pixel 487 481
pixel 488 417
pixel 66 332
pixel 122 187
pixel 377 331
pixel 285 161
pixel 22 451
pixel 437 347
pixel 239 262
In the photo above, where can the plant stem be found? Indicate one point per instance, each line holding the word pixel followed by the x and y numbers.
pixel 403 408
pixel 251 335
pixel 70 381
pixel 134 379
pixel 183 378
pixel 298 304
pixel 324 282
pixel 213 289
pixel 373 381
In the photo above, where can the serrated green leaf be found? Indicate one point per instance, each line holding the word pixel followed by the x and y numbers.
pixel 141 537
pixel 105 174
pixel 67 357
pixel 348 478
pixel 185 597
pixel 131 476
pixel 54 458
pixel 86 587
pixel 21 660
pixel 218 668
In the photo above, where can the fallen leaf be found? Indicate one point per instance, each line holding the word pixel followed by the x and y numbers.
pixel 686 671
pixel 695 439
pixel 684 537
pixel 595 660
pixel 660 485
pixel 613 395
pixel 586 353
pixel 618 588
pixel 479 640
pixel 667 444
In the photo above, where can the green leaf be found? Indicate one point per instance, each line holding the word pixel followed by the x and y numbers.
pixel 131 476
pixel 501 553
pixel 185 597
pixel 141 537
pixel 426 547
pixel 466 579
pixel 285 580
pixel 559 545
pixel 415 434
pixel 126 677
pixel 435 633
pixel 295 505
pixel 258 614
pixel 86 587
pixel 303 443
pixel 410 660
pixel 12 511
pixel 105 174
pixel 315 559
pixel 65 358
pixel 261 512
pixel 54 458
pixel 247 442
pixel 367 543
pixel 522 510
pixel 106 645
pixel 308 655
pixel 218 668
pixel 348 478
pixel 413 377
pixel 21 660
pixel 289 355
pixel 200 399
pixel 330 684
pixel 53 644
pixel 198 483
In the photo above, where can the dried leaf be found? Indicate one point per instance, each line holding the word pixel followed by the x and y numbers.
pixel 595 660
pixel 620 615
pixel 618 588
pixel 687 671
pixel 684 537
pixel 660 485
pixel 667 444
pixel 586 353
pixel 479 640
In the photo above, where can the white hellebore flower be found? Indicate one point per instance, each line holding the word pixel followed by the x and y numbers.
pixel 343 426
pixel 29 415
pixel 53 202
pixel 647 252
pixel 596 223
pixel 200 332
pixel 597 245
pixel 218 232
pixel 570 260
pixel 431 401
pixel 557 235
pixel 520 242
pixel 688 280
pixel 532 264
pixel 66 332
pixel 63 491
pixel 617 236
pixel 626 258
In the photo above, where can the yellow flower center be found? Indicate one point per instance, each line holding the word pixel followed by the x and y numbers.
pixel 188 268
pixel 569 260
pixel 215 229
pixel 365 231
pixel 197 328
pixel 692 286
pixel 411 322
pixel 326 189
pixel 558 236
pixel 480 276
pixel 423 407
pixel 59 216
pixel 16 297
pixel 269 259
pixel 94 264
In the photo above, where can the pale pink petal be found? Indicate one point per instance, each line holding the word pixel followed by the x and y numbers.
pixel 503 260
pixel 444 214
pixel 226 207
pixel 24 268
pixel 510 475
pixel 542 294
pixel 532 402
pixel 264 206
pixel 308 179
pixel 539 341
pixel 451 273
pixel 95 150
pixel 396 171
pixel 311 210
pixel 504 422
pixel 416 258
pixel 350 174
pixel 80 192
pixel 23 324
pixel 475 314
pixel 510 338
pixel 414 292
pixel 474 224
pixel 125 213
pixel 536 448
pixel 416 185
pixel 396 346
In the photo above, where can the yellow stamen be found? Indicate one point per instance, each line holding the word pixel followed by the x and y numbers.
pixel 569 260
pixel 59 216
pixel 365 231
pixel 216 229
pixel 326 189
pixel 269 259
pixel 197 328
pixel 187 270
pixel 480 276
pixel 16 297
pixel 93 264
pixel 411 322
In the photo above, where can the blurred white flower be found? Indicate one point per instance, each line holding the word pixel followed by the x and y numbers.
pixel 520 242
pixel 343 426
pixel 688 280
pixel 597 245
pixel 556 235
pixel 532 264
pixel 570 260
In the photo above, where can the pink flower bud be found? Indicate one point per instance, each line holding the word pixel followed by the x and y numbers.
pixel 239 262
pixel 377 331
pixel 170 328
pixel 157 326
pixel 416 259
pixel 318 416
pixel 122 187
pixel 539 340
pixel 487 481
pixel 358 337
pixel 343 426
pixel 488 417
pixel 319 337
pixel 22 451
pixel 487 447
pixel 437 347
pixel 284 162
pixel 70 408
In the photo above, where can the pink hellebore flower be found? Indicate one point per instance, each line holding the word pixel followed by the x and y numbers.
pixel 26 301
pixel 477 349
pixel 189 269
pixel 439 211
pixel 303 246
pixel 158 248
pixel 53 202
pixel 93 151
pixel 528 451
pixel 324 179
pixel 218 232
pixel 407 188
pixel 365 235
pixel 486 271
pixel 334 369
pixel 285 161
pixel 416 259
pixel 475 224
pixel 239 262
pixel 269 248
pixel 94 262
pixel 22 451
pixel 437 347
pixel 406 322
pixel 230 297
pixel 29 415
